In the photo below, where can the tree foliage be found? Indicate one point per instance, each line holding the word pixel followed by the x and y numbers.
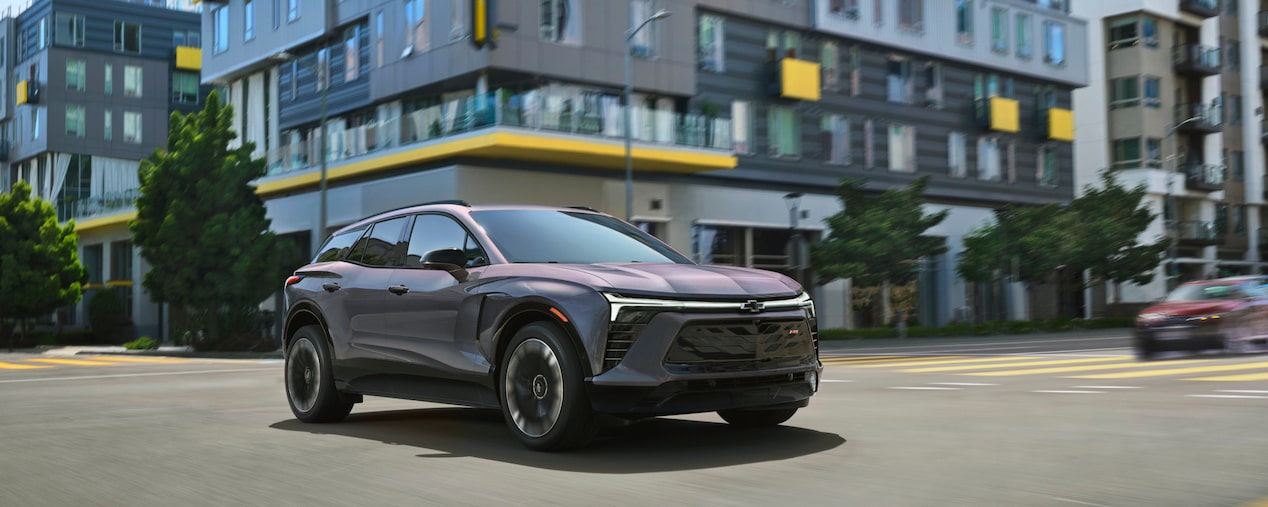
pixel 1111 219
pixel 877 237
pixel 200 224
pixel 39 263
pixel 1025 243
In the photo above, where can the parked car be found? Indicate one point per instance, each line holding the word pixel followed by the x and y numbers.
pixel 1227 313
pixel 555 316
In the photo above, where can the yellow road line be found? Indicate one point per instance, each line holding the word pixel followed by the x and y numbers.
pixel 1262 502
pixel 909 359
pixel 73 362
pixel 1244 377
pixel 1180 371
pixel 1067 369
pixel 140 359
pixel 1013 365
pixel 851 359
pixel 960 361
pixel 20 366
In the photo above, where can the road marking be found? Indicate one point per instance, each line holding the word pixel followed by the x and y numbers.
pixel 1262 502
pixel 1067 369
pixel 20 366
pixel 165 360
pixel 126 375
pixel 1012 365
pixel 1079 502
pixel 1178 371
pixel 1106 387
pixel 1244 377
pixel 1054 391
pixel 1024 342
pixel 955 361
pixel 73 362
pixel 830 381
pixel 927 388
pixel 912 359
pixel 968 384
pixel 849 359
pixel 1241 391
pixel 1234 396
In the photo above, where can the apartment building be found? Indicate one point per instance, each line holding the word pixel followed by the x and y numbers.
pixel 738 108
pixel 87 90
pixel 1175 103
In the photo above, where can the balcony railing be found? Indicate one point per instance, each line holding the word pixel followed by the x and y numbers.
pixel 1197 59
pixel 1210 119
pixel 1203 8
pixel 532 111
pixel 1205 177
pixel 97 205
pixel 1198 233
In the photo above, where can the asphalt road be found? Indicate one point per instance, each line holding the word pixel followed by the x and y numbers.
pixel 202 432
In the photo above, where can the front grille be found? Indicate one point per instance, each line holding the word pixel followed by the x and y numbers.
pixel 746 382
pixel 622 334
pixel 734 341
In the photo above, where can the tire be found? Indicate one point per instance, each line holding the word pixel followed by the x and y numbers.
pixel 756 418
pixel 543 392
pixel 310 383
pixel 1145 351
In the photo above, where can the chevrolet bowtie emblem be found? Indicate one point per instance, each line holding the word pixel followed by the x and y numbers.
pixel 753 306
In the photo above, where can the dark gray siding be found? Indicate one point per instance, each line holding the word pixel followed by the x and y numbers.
pixel 343 96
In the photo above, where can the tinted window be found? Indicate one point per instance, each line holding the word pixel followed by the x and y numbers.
pixel 383 245
pixel 434 232
pixel 337 246
pixel 1205 292
pixel 571 238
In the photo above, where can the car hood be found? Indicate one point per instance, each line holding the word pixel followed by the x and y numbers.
pixel 666 280
pixel 1185 308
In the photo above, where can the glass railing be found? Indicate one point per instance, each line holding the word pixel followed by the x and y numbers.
pixel 1204 231
pixel 1207 116
pixel 1206 174
pixel 1198 55
pixel 530 111
pixel 97 205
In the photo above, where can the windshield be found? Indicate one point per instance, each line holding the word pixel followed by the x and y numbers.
pixel 1205 292
pixel 536 236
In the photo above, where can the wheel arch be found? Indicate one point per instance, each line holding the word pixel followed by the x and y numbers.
pixel 527 313
pixel 304 314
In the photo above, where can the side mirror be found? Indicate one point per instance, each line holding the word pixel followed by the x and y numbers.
pixel 447 259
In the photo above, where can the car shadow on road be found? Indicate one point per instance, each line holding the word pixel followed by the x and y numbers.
pixel 656 445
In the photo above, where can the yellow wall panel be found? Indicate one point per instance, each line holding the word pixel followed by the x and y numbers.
pixel 798 79
pixel 189 58
pixel 1005 115
pixel 1060 124
pixel 19 95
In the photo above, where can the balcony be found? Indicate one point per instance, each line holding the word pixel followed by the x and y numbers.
pixel 1204 177
pixel 1205 119
pixel 530 126
pixel 1202 8
pixel 80 208
pixel 997 113
pixel 1263 23
pixel 1198 233
pixel 1196 59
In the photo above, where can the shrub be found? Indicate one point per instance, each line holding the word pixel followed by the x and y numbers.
pixel 142 343
pixel 104 316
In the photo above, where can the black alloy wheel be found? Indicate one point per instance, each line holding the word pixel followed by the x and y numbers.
pixel 310 383
pixel 542 390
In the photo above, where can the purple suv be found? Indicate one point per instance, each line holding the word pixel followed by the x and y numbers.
pixel 555 316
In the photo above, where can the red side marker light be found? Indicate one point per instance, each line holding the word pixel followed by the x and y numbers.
pixel 293 279
pixel 559 314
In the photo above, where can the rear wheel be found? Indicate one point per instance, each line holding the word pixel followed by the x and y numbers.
pixel 310 383
pixel 756 418
pixel 543 393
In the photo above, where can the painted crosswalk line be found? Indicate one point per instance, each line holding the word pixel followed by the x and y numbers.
pixel 1070 369
pixel 1011 365
pixel 21 366
pixel 1242 377
pixel 955 361
pixel 154 360
pixel 1178 371
pixel 72 362
pixel 907 359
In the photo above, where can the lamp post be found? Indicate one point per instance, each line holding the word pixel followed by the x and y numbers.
pixel 629 93
pixel 1171 200
pixel 793 200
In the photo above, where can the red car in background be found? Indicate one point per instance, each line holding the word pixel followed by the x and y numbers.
pixel 1227 313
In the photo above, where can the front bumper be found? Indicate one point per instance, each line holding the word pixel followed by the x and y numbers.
pixel 1167 338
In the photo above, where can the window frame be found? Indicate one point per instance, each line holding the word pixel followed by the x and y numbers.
pixel 121 38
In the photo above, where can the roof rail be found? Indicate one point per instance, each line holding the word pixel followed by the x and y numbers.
pixel 585 208
pixel 458 202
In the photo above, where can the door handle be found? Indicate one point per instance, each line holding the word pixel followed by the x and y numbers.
pixel 398 289
pixel 330 287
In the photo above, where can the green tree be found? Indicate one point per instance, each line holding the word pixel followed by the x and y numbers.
pixel 1025 243
pixel 200 224
pixel 1110 221
pixel 39 264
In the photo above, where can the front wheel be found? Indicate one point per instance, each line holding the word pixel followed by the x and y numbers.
pixel 310 383
pixel 756 418
pixel 543 392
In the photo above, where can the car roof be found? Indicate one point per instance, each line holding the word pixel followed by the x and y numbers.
pixel 455 207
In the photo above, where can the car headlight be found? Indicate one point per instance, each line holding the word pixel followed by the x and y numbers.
pixel 1206 319
pixel 1150 317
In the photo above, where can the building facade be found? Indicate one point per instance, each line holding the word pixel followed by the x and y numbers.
pixel 736 105
pixel 88 87
pixel 1175 103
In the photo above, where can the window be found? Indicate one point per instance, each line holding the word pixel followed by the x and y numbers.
pixel 902 147
pixel 1239 215
pixel 108 124
pixel 999 30
pixel 855 70
pixel 869 152
pixel 378 38
pixel 434 232
pixel 988 168
pixel 829 66
pixel 277 10
pixel 1234 55
pixel 1149 30
pixel 741 127
pixel 74 120
pixel 911 15
pixel 458 21
pixel 70 29
pixel 1124 92
pixel 1023 35
pixel 1153 90
pixel 711 49
pixel 43 33
pixel 898 80
pixel 109 85
pixel 220 29
pixel 248 17
pixel 1234 110
pixel 847 8
pixel 1011 162
pixel 1046 174
pixel 352 53
pixel 792 44
pixel 75 74
pixel 338 246
pixel 1054 43
pixel 184 87
pixel 323 69
pixel 957 160
pixel 785 136
pixel 188 38
pixel 1237 165
pixel 1126 153
pixel 561 21
pixel 131 127
pixel 642 43
pixel 416 34
pixel 127 37
pixel 1123 33
pixel 292 10
pixel 1153 152
pixel 383 246
pixel 835 131
pixel 964 21
pixel 131 81
pixel 933 85
pixel 878 12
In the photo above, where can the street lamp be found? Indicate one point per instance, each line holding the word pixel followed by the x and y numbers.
pixel 793 200
pixel 1171 200
pixel 629 92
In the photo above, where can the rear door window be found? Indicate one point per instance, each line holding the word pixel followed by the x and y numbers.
pixel 337 247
